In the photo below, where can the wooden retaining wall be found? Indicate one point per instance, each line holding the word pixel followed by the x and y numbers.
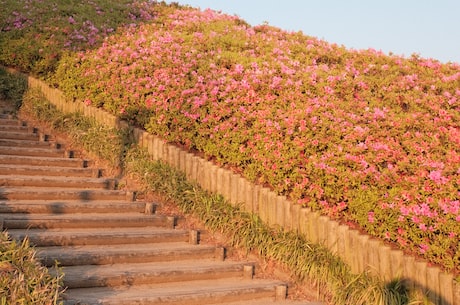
pixel 361 252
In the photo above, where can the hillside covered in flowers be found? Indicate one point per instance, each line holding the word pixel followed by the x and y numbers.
pixel 367 138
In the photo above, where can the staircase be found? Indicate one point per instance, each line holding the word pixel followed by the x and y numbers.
pixel 112 248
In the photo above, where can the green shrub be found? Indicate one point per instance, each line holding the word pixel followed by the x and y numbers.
pixel 12 88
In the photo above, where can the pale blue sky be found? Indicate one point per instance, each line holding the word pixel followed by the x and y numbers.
pixel 430 28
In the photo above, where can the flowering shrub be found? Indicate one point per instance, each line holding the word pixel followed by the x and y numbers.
pixel 362 136
pixel 34 33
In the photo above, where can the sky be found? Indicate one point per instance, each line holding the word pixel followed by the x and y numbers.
pixel 428 28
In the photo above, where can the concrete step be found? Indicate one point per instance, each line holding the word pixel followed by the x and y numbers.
pixel 43 161
pixel 59 171
pixel 56 193
pixel 186 293
pixel 158 231
pixel 68 182
pixel 70 206
pixel 30 143
pixel 84 220
pixel 151 273
pixel 126 253
pixel 36 152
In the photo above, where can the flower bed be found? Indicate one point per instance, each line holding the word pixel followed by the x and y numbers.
pixel 364 137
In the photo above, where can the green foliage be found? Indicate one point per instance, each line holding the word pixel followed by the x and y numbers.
pixel 23 280
pixel 12 88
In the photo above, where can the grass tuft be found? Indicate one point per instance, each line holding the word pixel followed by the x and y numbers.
pixel 23 280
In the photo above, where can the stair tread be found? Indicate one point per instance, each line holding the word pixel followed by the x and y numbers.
pixel 167 249
pixel 87 236
pixel 33 189
pixel 69 206
pixel 19 135
pixel 10 121
pixel 38 159
pixel 20 149
pixel 86 271
pixel 157 292
pixel 76 232
pixel 25 142
pixel 122 248
pixel 52 179
pixel 66 206
pixel 26 168
pixel 80 216
pixel 63 193
pixel 58 201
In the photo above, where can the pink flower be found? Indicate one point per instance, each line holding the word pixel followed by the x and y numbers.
pixel 437 177
pixel 370 217
pixel 239 69
pixel 378 113
pixel 149 102
pixel 423 248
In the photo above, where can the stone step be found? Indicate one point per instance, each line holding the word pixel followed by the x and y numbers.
pixel 199 292
pixel 156 231
pixel 70 206
pixel 84 220
pixel 55 193
pixel 67 182
pixel 35 170
pixel 29 143
pixel 126 253
pixel 43 161
pixel 35 152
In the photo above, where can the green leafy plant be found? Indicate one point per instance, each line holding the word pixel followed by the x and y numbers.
pixel 12 88
pixel 106 143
